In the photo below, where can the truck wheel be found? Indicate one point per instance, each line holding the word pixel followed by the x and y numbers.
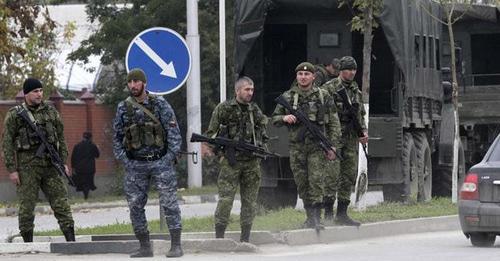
pixel 282 196
pixel 442 180
pixel 482 239
pixel 409 188
pixel 424 167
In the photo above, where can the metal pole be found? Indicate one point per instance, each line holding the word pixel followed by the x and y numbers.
pixel 222 48
pixel 193 92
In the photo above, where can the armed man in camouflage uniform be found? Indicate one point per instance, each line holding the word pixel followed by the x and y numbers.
pixel 349 165
pixel 31 172
pixel 147 140
pixel 242 120
pixel 326 72
pixel 308 162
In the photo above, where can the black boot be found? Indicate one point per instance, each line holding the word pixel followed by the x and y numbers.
pixel 69 234
pixel 342 218
pixel 317 216
pixel 175 244
pixel 309 223
pixel 219 231
pixel 27 236
pixel 245 233
pixel 145 246
pixel 328 206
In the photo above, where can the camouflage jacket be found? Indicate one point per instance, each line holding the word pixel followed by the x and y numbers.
pixel 20 142
pixel 163 112
pixel 355 96
pixel 323 113
pixel 233 120
pixel 322 75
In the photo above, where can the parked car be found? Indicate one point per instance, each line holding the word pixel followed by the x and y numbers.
pixel 479 202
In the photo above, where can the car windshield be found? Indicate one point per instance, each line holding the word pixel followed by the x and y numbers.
pixel 495 154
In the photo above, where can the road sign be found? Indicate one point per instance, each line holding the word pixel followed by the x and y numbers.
pixel 163 55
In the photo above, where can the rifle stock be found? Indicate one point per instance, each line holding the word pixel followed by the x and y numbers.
pixel 322 140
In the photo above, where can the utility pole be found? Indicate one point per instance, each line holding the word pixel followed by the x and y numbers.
pixel 222 48
pixel 193 93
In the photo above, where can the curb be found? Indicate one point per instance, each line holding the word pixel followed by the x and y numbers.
pixel 379 229
pixel 10 211
pixel 195 242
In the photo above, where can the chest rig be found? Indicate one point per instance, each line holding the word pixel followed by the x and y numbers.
pixel 45 119
pixel 143 128
pixel 313 107
pixel 238 123
pixel 345 115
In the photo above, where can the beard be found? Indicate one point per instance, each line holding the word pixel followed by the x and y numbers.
pixel 137 92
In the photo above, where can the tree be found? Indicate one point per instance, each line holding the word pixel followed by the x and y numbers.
pixel 450 18
pixel 364 22
pixel 27 45
pixel 118 26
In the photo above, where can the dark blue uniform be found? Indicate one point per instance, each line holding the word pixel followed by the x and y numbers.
pixel 146 157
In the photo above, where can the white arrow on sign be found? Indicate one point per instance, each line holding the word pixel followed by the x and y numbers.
pixel 166 69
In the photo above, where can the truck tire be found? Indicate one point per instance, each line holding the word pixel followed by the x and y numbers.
pixel 424 167
pixel 284 195
pixel 442 180
pixel 407 190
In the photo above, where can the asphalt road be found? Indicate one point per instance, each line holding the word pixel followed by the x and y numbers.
pixel 442 246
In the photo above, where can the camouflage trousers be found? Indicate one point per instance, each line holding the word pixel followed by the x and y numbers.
pixel 331 179
pixel 34 178
pixel 348 166
pixel 246 175
pixel 136 186
pixel 309 167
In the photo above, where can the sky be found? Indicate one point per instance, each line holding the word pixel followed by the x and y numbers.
pixel 73 76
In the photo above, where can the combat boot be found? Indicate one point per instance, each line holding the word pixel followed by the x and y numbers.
pixel 69 234
pixel 145 246
pixel 175 243
pixel 219 231
pixel 317 217
pixel 309 223
pixel 27 236
pixel 245 233
pixel 342 218
pixel 328 206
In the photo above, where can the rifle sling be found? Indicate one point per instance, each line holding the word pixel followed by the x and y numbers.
pixel 142 108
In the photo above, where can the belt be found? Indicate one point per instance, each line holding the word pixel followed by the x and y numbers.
pixel 152 157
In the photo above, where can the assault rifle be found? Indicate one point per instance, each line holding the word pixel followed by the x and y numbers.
pixel 313 129
pixel 352 110
pixel 231 146
pixel 55 159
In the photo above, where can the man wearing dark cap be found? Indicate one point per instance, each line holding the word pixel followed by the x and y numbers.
pixel 326 72
pixel 349 165
pixel 147 139
pixel 307 160
pixel 31 170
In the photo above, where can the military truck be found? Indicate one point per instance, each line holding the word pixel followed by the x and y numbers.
pixel 477 34
pixel 411 120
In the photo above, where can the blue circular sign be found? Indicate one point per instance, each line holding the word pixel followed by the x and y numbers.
pixel 163 55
